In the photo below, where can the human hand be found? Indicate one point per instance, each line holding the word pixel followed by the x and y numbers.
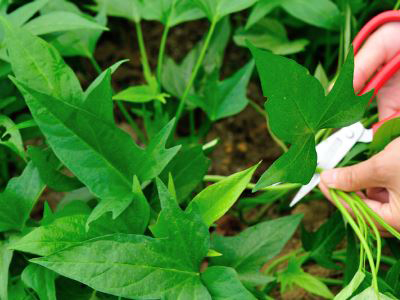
pixel 379 176
pixel 380 48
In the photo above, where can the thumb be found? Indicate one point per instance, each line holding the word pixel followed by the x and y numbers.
pixel 354 178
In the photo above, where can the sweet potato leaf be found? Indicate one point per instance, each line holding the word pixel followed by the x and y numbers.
pixel 297 108
pixel 141 94
pixel 19 197
pixel 144 260
pixel 225 98
pixel 22 14
pixel 389 131
pixel 6 256
pixel 171 12
pixel 60 21
pixel 253 247
pixel 41 280
pixel 129 9
pixel 217 199
pixel 217 9
pixel 320 13
pixel 223 283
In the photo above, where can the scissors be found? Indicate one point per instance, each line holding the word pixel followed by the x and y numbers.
pixel 332 150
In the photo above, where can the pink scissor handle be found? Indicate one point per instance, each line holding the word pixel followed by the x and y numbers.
pixel 389 69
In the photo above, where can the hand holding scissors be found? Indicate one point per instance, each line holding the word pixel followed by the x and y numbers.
pixel 377 49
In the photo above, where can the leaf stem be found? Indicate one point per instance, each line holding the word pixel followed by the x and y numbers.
pixel 95 64
pixel 330 281
pixel 143 52
pixel 250 186
pixel 257 108
pixel 282 259
pixel 360 236
pixel 131 122
pixel 161 53
pixel 195 70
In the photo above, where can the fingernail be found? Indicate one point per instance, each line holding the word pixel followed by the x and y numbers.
pixel 329 177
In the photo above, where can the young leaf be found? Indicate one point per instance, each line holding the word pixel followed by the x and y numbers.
pixel 41 280
pixel 171 12
pixel 389 131
pixel 10 136
pixel 19 197
pixel 270 34
pixel 60 21
pixel 294 275
pixel 297 108
pixel 253 247
pixel 223 283
pixel 22 14
pixel 370 294
pixel 217 199
pixel 129 9
pixel 320 13
pixel 217 9
pixel 141 94
pixel 222 99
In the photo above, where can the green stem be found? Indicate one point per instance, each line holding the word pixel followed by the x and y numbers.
pixel 377 217
pixel 143 52
pixel 360 236
pixel 131 122
pixel 195 70
pixel 250 186
pixel 161 53
pixel 341 256
pixel 95 64
pixel 257 108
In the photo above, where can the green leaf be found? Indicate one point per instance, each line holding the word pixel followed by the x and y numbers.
pixel 139 217
pixel 129 9
pixel 294 275
pixel 39 65
pixel 171 12
pixel 320 13
pixel 351 287
pixel 392 277
pixel 41 280
pixel 5 260
pixel 172 259
pixel 252 248
pixel 11 137
pixel 217 9
pixel 80 42
pixel 223 283
pixel 70 230
pixel 217 199
pixel 19 197
pixel 226 98
pixel 370 294
pixel 389 131
pixel 325 240
pixel 48 164
pixel 60 21
pixel 297 108
pixel 141 94
pixel 142 260
pixel 188 168
pixel 22 14
pixel 270 34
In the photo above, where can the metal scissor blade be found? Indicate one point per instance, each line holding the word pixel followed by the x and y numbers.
pixel 332 150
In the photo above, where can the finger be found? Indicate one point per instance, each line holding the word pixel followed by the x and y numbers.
pixel 379 48
pixel 388 97
pixel 355 178
pixel 378 194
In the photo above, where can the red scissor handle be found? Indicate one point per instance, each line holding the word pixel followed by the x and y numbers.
pixel 389 69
